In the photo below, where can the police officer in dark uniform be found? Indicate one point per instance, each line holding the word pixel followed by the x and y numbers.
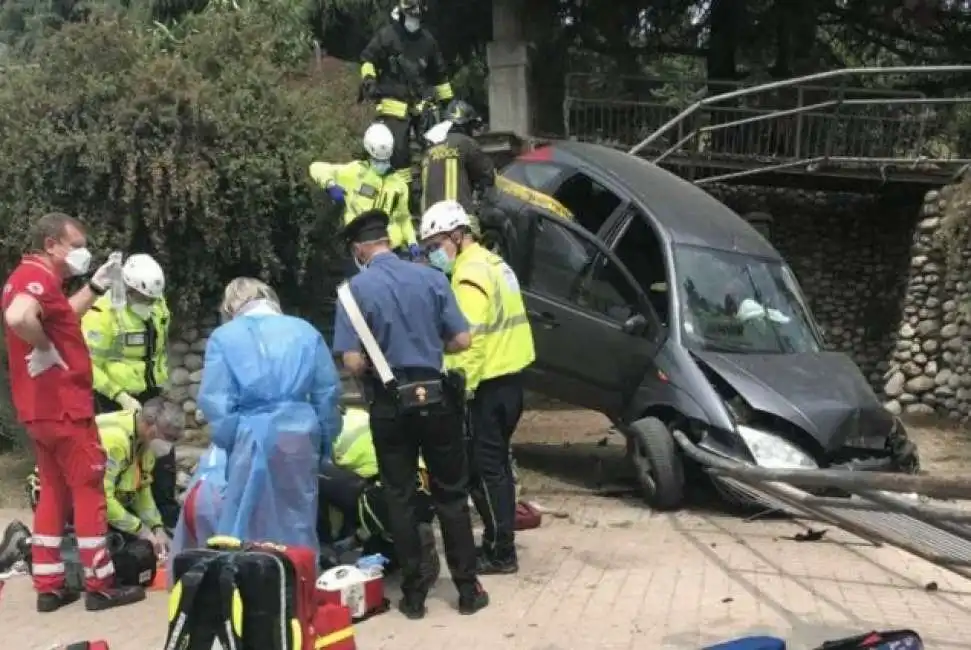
pixel 402 68
pixel 455 166
pixel 412 314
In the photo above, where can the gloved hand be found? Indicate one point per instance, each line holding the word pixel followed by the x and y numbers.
pixel 40 361
pixel 145 533
pixel 102 277
pixel 128 403
pixel 369 88
pixel 415 251
pixel 335 192
pixel 162 544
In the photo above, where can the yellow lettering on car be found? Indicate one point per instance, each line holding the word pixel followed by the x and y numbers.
pixel 532 197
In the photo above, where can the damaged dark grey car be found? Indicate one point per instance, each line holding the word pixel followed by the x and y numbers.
pixel 658 306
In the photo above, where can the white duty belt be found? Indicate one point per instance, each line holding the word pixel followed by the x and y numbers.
pixel 360 326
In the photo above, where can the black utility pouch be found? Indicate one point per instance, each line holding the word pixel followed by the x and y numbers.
pixel 418 395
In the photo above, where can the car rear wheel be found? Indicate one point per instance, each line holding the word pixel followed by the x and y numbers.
pixel 658 463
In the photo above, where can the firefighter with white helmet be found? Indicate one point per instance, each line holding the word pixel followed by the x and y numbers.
pixel 129 356
pixel 363 185
pixel 489 296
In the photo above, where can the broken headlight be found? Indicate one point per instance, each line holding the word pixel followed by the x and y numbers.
pixel 772 452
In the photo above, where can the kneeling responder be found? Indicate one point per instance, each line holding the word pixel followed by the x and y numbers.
pixel 129 358
pixel 402 68
pixel 455 166
pixel 489 296
pixel 133 442
pixel 354 504
pixel 364 185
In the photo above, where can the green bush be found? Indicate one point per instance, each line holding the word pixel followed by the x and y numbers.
pixel 191 144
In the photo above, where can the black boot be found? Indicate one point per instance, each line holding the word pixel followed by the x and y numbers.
pixel 472 598
pixel 492 560
pixel 15 545
pixel 412 605
pixel 52 601
pixel 95 601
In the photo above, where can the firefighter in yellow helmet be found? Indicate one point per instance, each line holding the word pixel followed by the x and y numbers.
pixel 129 357
pixel 362 185
pixel 489 296
pixel 403 70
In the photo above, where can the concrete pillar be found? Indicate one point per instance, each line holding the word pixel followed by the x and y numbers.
pixel 508 59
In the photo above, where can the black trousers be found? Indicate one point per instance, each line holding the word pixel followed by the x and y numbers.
pixel 493 417
pixel 435 433
pixel 164 476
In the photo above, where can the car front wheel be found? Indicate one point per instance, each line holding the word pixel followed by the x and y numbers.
pixel 657 461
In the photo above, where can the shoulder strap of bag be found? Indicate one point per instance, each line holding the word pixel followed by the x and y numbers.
pixel 231 605
pixel 181 602
pixel 364 333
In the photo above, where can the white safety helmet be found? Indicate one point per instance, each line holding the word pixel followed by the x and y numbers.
pixel 379 142
pixel 444 216
pixel 141 273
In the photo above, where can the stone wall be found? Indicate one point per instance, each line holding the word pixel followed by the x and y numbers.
pixel 930 371
pixel 187 348
pixel 850 254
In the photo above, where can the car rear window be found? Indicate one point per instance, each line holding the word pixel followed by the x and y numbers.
pixel 535 175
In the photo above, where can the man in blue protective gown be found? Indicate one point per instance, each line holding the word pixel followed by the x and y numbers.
pixel 203 504
pixel 270 394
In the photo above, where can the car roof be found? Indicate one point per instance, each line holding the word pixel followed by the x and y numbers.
pixel 687 213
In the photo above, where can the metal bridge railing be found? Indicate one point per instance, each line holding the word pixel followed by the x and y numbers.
pixel 782 124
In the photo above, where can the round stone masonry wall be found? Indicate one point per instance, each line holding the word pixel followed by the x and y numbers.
pixel 930 371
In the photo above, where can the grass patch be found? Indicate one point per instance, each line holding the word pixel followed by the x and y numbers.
pixel 14 468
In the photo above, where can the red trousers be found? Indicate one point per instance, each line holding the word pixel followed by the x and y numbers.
pixel 71 467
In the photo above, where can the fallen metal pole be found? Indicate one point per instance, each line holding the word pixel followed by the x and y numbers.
pixel 790 494
pixel 849 481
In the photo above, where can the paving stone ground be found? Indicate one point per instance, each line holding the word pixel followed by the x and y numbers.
pixel 614 575
pixel 610 574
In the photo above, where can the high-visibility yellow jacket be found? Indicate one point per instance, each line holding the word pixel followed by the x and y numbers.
pixel 354 448
pixel 365 189
pixel 122 344
pixel 489 296
pixel 128 474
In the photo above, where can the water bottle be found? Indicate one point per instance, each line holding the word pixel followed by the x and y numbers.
pixel 118 300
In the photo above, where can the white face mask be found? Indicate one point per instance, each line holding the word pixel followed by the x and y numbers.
pixel 412 24
pixel 78 261
pixel 382 167
pixel 141 310
pixel 160 448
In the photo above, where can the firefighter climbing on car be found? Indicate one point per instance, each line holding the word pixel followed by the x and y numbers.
pixel 361 185
pixel 455 167
pixel 402 69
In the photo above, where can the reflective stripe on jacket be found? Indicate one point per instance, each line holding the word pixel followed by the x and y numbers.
pixel 121 343
pixel 489 296
pixel 128 474
pixel 365 189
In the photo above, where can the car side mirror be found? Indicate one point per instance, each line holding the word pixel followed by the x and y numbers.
pixel 636 325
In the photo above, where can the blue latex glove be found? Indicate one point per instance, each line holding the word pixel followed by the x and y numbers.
pixel 415 251
pixel 336 192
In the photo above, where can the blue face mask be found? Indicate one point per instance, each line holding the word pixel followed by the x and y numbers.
pixel 440 260
pixel 382 167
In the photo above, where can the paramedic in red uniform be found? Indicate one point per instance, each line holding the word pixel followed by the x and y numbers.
pixel 50 378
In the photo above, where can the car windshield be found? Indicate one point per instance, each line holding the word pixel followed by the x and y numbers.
pixel 737 303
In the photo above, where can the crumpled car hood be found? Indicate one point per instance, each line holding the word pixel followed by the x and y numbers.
pixel 822 393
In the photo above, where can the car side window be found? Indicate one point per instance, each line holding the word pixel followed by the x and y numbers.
pixel 591 202
pixel 534 175
pixel 568 266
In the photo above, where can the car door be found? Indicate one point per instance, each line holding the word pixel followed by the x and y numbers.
pixel 583 307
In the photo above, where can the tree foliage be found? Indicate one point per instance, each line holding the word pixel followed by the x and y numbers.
pixel 190 143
